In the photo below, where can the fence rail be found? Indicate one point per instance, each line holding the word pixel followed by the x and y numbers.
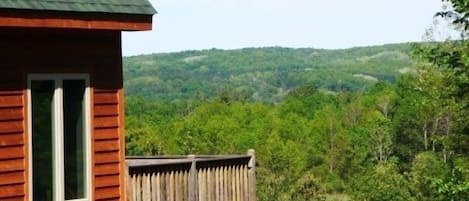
pixel 191 178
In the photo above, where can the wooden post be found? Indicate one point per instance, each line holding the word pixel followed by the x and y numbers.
pixel 128 184
pixel 158 186
pixel 147 188
pixel 252 175
pixel 193 179
pixel 138 190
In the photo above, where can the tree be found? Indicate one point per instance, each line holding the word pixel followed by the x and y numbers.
pixel 426 168
pixel 454 186
pixel 384 183
pixel 442 86
pixel 380 136
pixel 283 163
pixel 308 188
pixel 376 121
pixel 330 139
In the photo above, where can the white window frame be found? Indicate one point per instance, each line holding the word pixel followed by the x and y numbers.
pixel 58 134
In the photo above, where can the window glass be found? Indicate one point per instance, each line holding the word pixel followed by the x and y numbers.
pixel 74 138
pixel 42 102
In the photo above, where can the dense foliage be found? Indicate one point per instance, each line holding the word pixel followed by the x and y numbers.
pixel 320 133
pixel 261 74
pixel 402 141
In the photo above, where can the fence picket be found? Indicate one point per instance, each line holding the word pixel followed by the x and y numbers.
pixel 191 178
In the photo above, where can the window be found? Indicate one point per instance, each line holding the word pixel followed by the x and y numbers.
pixel 59 137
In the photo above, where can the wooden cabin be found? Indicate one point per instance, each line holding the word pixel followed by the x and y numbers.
pixel 61 97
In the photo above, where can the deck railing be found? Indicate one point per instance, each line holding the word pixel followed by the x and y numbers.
pixel 192 178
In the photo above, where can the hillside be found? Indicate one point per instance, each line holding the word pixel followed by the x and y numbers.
pixel 403 139
pixel 261 74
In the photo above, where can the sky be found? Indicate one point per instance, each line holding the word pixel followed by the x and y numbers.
pixel 232 24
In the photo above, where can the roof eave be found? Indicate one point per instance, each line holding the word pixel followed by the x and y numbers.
pixel 75 20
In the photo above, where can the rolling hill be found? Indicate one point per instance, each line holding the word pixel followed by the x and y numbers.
pixel 261 74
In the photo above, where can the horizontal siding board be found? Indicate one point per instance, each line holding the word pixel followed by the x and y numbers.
pixel 11 165
pixel 107 181
pixel 9 178
pixel 105 110
pixel 12 152
pixel 15 198
pixel 106 157
pixel 106 133
pixel 11 100
pixel 107 193
pixel 106 145
pixel 106 169
pixel 105 98
pixel 106 141
pixel 11 127
pixel 110 199
pixel 106 122
pixel 11 113
pixel 11 139
pixel 10 191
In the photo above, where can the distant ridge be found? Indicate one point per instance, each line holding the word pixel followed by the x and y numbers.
pixel 261 74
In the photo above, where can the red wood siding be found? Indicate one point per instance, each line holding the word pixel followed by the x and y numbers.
pixel 76 20
pixel 12 145
pixel 106 146
pixel 97 53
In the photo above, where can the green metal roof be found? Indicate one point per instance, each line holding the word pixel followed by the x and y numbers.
pixel 101 6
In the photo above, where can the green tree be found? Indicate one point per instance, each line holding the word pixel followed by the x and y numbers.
pixel 382 184
pixel 308 188
pixel 454 186
pixel 426 168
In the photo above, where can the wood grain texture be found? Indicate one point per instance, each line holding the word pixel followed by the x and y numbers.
pixel 106 157
pixel 16 198
pixel 94 52
pixel 106 169
pixel 225 178
pixel 103 110
pixel 12 191
pixel 9 127
pixel 107 181
pixel 9 178
pixel 26 144
pixel 105 134
pixel 106 122
pixel 11 152
pixel 10 165
pixel 107 193
pixel 107 137
pixel 105 98
pixel 11 113
pixel 106 145
pixel 121 133
pixel 76 20
pixel 13 139
pixel 8 101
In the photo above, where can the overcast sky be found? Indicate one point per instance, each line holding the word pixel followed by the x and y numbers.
pixel 231 24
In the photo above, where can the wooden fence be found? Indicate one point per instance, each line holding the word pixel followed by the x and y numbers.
pixel 192 178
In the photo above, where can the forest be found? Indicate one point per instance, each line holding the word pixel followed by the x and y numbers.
pixel 261 74
pixel 371 123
